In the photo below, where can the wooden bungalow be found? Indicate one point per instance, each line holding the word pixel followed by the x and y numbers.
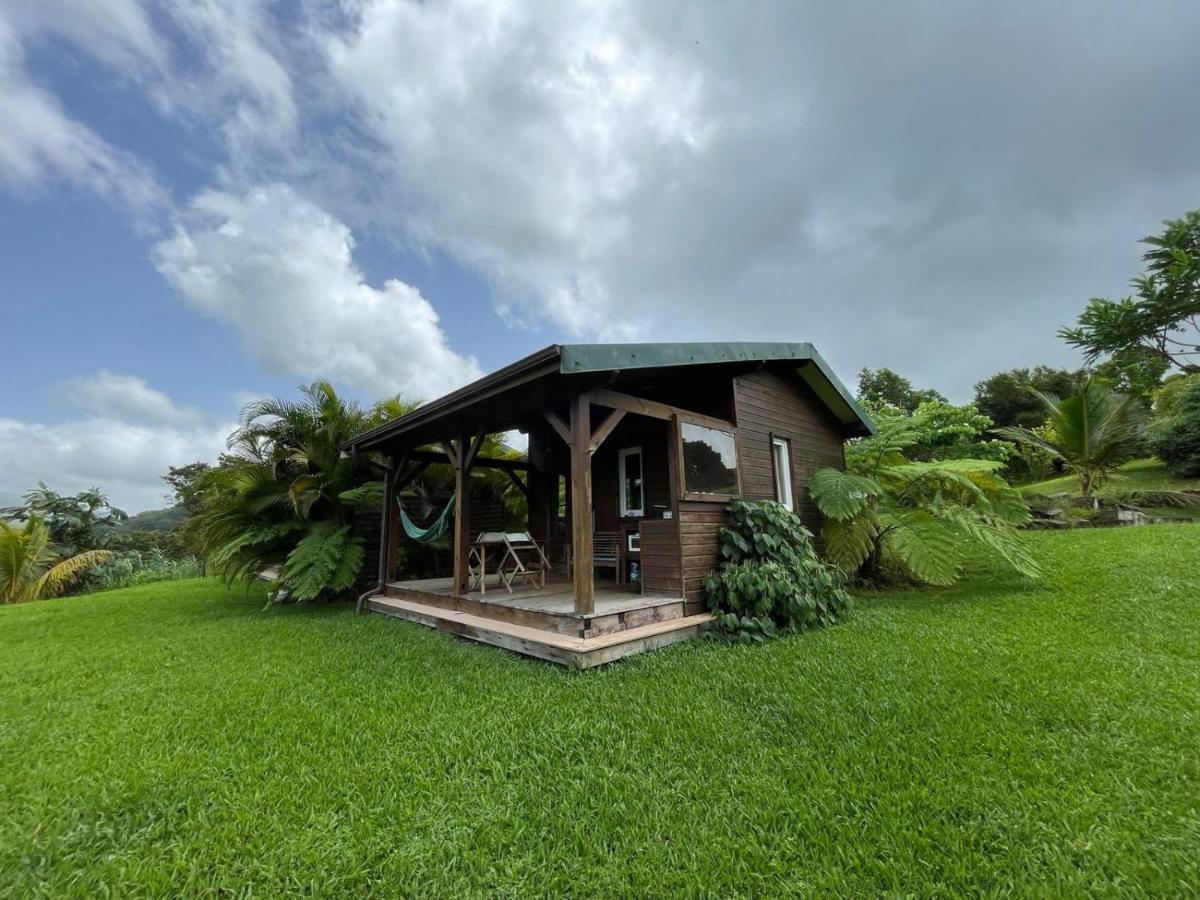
pixel 634 450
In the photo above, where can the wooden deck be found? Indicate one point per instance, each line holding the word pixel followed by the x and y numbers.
pixel 542 622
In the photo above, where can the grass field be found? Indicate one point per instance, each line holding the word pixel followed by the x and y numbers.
pixel 997 737
pixel 1139 475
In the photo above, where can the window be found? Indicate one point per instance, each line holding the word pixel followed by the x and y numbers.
pixel 709 460
pixel 782 456
pixel 562 497
pixel 630 475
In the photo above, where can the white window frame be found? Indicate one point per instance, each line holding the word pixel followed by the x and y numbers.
pixel 783 473
pixel 626 512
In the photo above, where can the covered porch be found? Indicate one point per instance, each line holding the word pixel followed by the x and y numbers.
pixel 626 535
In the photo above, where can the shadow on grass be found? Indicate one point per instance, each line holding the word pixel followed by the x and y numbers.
pixel 976 588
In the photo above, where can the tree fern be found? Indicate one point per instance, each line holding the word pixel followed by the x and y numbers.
pixel 326 559
pixel 918 516
pixel 842 495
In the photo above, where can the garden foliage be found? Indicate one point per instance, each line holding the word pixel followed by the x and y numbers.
pixel 887 514
pixel 128 568
pixel 32 568
pixel 771 577
pixel 1175 433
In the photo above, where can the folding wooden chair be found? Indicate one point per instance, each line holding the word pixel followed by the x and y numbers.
pixel 477 558
pixel 523 559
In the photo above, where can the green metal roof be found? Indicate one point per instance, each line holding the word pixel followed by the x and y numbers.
pixel 579 358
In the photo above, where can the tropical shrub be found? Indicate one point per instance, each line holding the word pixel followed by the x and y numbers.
pixel 1175 433
pixel 30 567
pixel 771 577
pixel 285 498
pixel 1036 463
pixel 1094 431
pixel 888 514
pixel 131 567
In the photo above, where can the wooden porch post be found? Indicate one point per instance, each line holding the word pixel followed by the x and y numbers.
pixel 462 527
pixel 387 536
pixel 391 531
pixel 581 502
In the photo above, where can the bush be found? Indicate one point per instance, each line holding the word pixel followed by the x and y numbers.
pixel 136 567
pixel 1175 436
pixel 771 578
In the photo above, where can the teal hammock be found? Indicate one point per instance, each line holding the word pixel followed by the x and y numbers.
pixel 434 531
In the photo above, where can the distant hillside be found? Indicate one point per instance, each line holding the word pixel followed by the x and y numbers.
pixel 156 519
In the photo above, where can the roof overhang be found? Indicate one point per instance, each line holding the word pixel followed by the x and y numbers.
pixel 559 364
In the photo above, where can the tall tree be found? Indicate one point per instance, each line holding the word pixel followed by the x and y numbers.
pixel 185 483
pixel 79 522
pixel 881 388
pixel 1162 317
pixel 1009 398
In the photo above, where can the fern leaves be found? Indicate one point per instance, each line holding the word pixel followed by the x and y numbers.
pixel 842 495
pixel 918 515
pixel 327 558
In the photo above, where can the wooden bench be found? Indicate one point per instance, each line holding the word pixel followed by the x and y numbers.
pixel 608 552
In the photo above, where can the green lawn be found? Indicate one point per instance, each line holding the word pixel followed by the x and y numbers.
pixel 1139 475
pixel 998 737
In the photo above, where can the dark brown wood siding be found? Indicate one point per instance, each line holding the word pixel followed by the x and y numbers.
pixel 777 404
pixel 699 526
pixel 659 558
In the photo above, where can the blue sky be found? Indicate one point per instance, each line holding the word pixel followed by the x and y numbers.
pixel 204 202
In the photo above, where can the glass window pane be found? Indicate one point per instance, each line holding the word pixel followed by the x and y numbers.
pixel 783 472
pixel 709 460
pixel 631 473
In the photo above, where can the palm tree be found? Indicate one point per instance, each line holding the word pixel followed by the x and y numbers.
pixel 1094 431
pixel 285 497
pixel 28 566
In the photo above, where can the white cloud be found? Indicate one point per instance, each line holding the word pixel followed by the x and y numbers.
pixel 281 272
pixel 130 435
pixel 127 398
pixel 517 133
pixel 123 459
pixel 935 190
pixel 224 72
pixel 40 143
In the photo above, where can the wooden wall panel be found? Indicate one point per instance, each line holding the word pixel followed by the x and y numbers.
pixel 778 403
pixel 699 528
pixel 659 558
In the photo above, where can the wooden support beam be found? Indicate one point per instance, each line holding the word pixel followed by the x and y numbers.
pixel 605 428
pixel 581 504
pixel 654 409
pixel 412 474
pixel 462 506
pixel 516 479
pixel 558 425
pixel 473 451
pixel 480 462
pixel 453 453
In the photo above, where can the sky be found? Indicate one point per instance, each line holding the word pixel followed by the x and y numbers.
pixel 207 201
